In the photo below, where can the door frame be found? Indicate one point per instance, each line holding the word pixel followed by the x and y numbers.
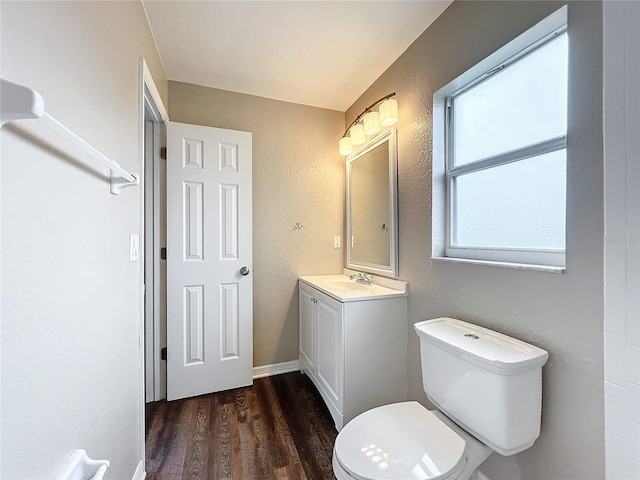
pixel 149 99
pixel 150 236
pixel 153 111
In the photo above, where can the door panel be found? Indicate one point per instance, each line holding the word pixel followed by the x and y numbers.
pixel 330 350
pixel 209 302
pixel 307 323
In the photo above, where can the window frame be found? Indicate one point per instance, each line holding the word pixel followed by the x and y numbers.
pixel 444 176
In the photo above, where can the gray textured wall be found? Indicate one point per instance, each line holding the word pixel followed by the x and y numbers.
pixel 298 176
pixel 559 312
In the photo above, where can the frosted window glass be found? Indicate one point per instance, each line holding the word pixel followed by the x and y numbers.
pixel 517 205
pixel 524 104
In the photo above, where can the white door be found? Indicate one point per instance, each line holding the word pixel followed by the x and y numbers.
pixel 209 253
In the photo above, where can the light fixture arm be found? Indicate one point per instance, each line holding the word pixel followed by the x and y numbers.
pixel 367 110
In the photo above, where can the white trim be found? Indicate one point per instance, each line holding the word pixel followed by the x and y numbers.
pixel 149 96
pixel 141 310
pixel 276 369
pixel 492 263
pixel 148 275
pixel 159 382
pixel 392 269
pixel 153 90
pixel 152 287
pixel 146 84
pixel 139 474
pixel 552 258
pixel 529 151
pixel 539 43
pixel 444 173
pixel 548 26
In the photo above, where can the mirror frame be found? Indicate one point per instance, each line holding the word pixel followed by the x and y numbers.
pixel 384 270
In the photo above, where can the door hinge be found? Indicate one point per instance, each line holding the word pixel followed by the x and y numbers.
pixel 163 353
pixel 163 253
pixel 163 153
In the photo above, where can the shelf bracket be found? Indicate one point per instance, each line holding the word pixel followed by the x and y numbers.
pixel 118 183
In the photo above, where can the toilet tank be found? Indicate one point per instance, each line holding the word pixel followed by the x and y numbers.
pixel 488 383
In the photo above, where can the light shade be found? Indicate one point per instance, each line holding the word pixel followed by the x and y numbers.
pixel 345 146
pixel 389 112
pixel 357 134
pixel 371 123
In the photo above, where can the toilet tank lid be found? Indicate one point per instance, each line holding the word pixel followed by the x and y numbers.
pixel 495 351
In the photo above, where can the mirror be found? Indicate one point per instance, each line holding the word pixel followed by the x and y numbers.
pixel 372 220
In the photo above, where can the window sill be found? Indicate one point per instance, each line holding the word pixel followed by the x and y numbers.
pixel 492 263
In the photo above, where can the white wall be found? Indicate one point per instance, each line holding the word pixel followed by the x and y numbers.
pixel 622 239
pixel 70 346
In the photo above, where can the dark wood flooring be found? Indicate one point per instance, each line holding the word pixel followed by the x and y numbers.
pixel 277 429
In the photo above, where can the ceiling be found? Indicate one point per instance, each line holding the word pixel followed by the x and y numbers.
pixel 319 53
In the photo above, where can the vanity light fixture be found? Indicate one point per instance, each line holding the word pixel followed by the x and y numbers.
pixel 357 135
pixel 372 123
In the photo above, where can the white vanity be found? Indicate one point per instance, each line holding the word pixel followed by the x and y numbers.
pixel 353 335
pixel 353 342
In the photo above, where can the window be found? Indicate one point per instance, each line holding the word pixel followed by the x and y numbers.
pixel 504 140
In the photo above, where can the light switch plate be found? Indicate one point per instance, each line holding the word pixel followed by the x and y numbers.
pixel 134 247
pixel 336 241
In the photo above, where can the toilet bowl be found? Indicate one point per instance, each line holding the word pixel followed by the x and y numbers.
pixel 406 441
pixel 487 388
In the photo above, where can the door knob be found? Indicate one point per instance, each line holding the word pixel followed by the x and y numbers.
pixel 244 271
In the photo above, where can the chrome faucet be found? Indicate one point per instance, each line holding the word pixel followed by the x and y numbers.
pixel 362 278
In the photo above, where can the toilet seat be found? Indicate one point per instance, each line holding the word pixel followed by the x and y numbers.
pixel 399 441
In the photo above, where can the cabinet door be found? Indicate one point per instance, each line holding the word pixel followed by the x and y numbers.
pixel 329 353
pixel 307 326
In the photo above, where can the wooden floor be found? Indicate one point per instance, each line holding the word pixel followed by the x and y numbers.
pixel 277 429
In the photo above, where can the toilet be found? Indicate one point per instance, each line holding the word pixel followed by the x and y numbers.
pixel 487 388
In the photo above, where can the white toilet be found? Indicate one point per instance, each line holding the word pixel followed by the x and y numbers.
pixel 488 391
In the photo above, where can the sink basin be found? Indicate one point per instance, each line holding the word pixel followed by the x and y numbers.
pixel 342 288
pixel 346 285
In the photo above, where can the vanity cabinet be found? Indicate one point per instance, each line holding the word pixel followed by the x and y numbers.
pixel 307 323
pixel 355 352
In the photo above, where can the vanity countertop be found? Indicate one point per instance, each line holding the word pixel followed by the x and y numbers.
pixel 344 289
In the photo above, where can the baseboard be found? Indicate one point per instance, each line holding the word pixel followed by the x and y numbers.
pixel 139 474
pixel 275 369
